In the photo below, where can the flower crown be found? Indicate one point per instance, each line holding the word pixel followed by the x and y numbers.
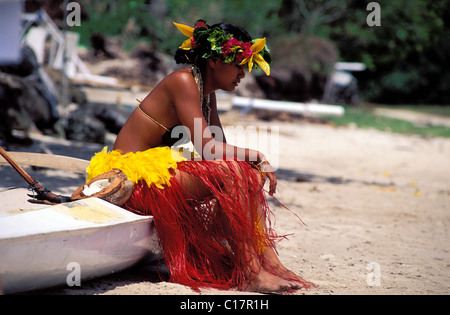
pixel 217 45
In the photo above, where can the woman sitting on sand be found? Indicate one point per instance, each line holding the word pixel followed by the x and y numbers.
pixel 210 211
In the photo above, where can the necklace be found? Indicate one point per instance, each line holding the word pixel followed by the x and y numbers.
pixel 204 101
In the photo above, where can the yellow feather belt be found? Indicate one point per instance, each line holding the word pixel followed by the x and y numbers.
pixel 152 165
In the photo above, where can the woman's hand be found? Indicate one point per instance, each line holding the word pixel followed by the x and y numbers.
pixel 273 182
pixel 266 169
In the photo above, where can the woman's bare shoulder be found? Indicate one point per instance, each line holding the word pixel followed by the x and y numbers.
pixel 181 85
pixel 182 76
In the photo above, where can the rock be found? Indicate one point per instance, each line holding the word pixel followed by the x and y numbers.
pixel 111 116
pixel 92 122
pixel 99 45
pixel 28 98
pixel 81 125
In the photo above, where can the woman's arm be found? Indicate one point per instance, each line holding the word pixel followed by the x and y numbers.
pixel 186 100
pixel 215 119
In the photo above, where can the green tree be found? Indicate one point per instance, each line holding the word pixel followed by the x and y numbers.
pixel 405 55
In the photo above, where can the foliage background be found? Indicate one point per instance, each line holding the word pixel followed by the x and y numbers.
pixel 405 56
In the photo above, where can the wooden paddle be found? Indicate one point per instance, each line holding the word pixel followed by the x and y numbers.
pixel 42 160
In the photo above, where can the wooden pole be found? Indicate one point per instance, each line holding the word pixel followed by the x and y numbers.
pixel 43 194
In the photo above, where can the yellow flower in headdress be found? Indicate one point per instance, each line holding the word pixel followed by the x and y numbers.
pixel 257 47
pixel 186 31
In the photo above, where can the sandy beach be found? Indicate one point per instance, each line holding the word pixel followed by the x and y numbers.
pixel 376 207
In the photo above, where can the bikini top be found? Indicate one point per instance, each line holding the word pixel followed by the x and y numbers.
pixel 170 138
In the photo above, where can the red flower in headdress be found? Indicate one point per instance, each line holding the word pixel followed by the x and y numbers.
pixel 200 23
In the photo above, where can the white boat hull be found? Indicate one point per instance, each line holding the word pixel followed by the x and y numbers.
pixel 70 243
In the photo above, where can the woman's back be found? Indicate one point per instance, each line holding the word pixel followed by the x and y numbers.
pixel 157 113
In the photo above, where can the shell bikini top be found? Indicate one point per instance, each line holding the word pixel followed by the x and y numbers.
pixel 170 139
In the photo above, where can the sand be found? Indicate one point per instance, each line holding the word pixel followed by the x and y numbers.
pixel 376 205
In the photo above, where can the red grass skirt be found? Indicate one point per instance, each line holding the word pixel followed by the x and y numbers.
pixel 205 242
